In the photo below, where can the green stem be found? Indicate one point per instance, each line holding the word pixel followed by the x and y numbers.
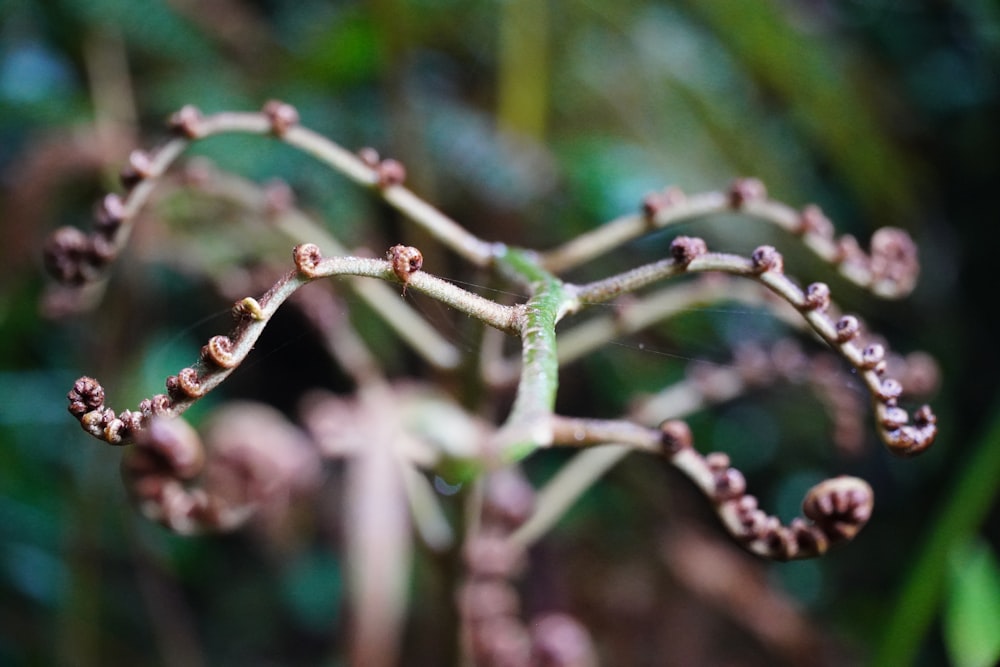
pixel 529 425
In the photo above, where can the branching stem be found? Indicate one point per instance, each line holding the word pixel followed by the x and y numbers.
pixel 835 510
pixel 528 425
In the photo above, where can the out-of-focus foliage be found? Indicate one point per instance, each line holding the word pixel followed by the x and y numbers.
pixel 972 611
pixel 529 122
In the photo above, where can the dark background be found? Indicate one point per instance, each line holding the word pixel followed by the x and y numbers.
pixel 529 122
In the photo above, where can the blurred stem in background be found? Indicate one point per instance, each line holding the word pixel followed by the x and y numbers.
pixel 523 76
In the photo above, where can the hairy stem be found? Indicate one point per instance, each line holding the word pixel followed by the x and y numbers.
pixel 766 267
pixel 890 270
pixel 384 299
pixel 614 234
pixel 528 426
pixel 836 509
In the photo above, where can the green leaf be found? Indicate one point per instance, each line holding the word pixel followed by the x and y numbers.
pixel 972 606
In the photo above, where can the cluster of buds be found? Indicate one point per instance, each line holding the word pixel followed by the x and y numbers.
pixel 755 366
pixel 253 462
pixel 844 334
pixel 388 172
pixel 889 269
pixel 167 456
pixel 835 510
pixel 254 456
pixel 74 257
pixel 489 604
pixel 86 403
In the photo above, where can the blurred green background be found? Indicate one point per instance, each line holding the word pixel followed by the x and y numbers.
pixel 529 122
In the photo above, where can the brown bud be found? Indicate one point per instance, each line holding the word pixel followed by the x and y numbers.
pixel 872 356
pixel 219 350
pixel 160 404
pixel 840 506
pixel 889 390
pixel 817 297
pixel 747 504
pixel 95 421
pixel 501 641
pixel 87 394
pixel 189 383
pixel 406 260
pixel 109 214
pixel 656 202
pixel 488 555
pixel 675 435
pixel 752 519
pixel 924 416
pixel 912 440
pixel 766 258
pixel 307 258
pixel 186 122
pixel 132 421
pixel 894 259
pixel 651 205
pixel 390 172
pixel 849 252
pixel 808 539
pixel 893 417
pixel 138 168
pixel 482 599
pixel 780 540
pixel 508 499
pixel 717 462
pixel 66 255
pixel 847 328
pixel 686 248
pixel 173 388
pixel 812 220
pixel 559 640
pixel 729 484
pixel 116 432
pixel 103 250
pixel 746 190
pixel 282 116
